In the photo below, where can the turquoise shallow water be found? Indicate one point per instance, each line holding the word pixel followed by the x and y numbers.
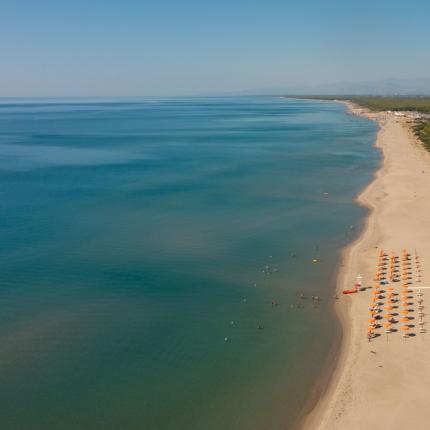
pixel 135 236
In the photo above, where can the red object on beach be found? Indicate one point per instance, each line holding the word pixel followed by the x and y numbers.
pixel 357 287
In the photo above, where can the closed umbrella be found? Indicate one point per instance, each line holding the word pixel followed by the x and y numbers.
pixel 405 329
pixel 387 329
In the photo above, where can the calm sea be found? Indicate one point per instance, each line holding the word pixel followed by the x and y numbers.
pixel 154 253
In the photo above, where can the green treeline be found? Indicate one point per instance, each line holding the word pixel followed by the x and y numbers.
pixel 381 103
pixel 419 104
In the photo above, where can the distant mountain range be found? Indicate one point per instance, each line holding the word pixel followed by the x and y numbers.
pixel 388 87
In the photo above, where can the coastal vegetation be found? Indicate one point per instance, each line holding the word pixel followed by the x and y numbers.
pixel 414 104
pixel 422 131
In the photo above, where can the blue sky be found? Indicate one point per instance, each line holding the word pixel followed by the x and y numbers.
pixel 134 48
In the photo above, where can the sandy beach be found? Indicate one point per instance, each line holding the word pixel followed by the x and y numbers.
pixel 383 383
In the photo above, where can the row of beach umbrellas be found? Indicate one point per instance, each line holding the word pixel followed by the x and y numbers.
pixel 391 268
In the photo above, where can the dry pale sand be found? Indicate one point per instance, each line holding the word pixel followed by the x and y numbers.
pixel 388 388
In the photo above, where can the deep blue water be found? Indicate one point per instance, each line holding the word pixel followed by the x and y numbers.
pixel 135 235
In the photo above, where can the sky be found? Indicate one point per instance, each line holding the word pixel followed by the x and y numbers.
pixel 190 47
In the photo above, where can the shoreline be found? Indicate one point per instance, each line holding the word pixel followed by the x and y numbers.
pixel 324 386
pixel 350 399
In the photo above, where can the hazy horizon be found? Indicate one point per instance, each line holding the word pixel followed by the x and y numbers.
pixel 189 48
